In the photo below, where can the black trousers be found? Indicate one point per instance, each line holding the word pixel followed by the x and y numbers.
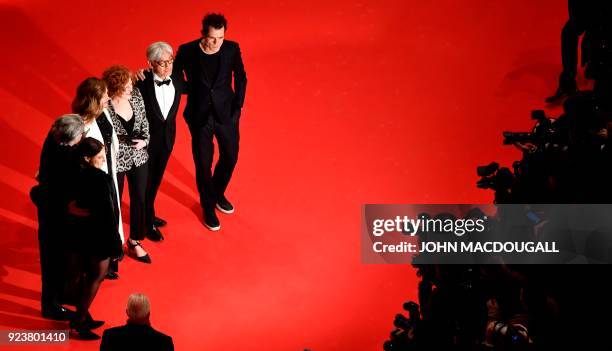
pixel 137 181
pixel 212 185
pixel 52 258
pixel 158 160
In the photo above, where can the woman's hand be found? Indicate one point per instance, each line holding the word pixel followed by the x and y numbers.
pixel 138 144
pixel 75 210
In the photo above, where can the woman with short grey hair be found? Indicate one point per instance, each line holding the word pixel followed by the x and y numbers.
pixel 58 171
pixel 68 129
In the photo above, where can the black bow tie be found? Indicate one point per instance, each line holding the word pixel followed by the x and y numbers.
pixel 162 82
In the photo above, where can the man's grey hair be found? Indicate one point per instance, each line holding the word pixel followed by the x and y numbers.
pixel 67 128
pixel 155 50
pixel 138 307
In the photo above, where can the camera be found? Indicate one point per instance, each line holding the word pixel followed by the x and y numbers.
pixel 545 131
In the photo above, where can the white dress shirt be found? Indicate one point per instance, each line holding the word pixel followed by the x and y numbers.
pixel 164 95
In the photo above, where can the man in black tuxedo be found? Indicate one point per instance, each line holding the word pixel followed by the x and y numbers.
pixel 137 334
pixel 161 92
pixel 213 109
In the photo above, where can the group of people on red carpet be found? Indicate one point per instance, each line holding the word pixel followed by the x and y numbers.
pixel 123 126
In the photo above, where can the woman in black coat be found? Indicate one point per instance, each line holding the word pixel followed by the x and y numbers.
pixel 57 173
pixel 95 237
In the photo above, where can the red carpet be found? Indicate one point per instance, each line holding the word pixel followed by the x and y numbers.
pixel 347 103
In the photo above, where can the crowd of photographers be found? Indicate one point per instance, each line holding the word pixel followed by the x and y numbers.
pixel 565 160
pixel 504 307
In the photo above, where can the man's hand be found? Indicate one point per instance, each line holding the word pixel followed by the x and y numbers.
pixel 139 75
pixel 138 144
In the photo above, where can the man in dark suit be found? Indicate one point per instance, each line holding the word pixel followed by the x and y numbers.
pixel 137 334
pixel 161 92
pixel 209 65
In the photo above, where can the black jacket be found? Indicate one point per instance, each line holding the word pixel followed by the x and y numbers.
pixel 57 173
pixel 135 337
pixel 96 235
pixel 162 131
pixel 226 101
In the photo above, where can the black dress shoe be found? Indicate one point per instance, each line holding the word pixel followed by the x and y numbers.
pixel 92 323
pixel 86 334
pixel 211 221
pixel 112 275
pixel 82 332
pixel 57 313
pixel 132 253
pixel 154 234
pixel 158 222
pixel 224 206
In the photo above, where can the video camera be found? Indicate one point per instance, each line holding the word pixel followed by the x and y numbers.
pixel 545 132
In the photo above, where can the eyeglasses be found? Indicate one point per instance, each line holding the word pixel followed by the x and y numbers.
pixel 164 63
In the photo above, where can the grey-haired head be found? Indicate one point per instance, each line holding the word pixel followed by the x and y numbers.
pixel 68 129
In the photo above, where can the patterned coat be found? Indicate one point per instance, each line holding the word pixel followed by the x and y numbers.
pixel 128 157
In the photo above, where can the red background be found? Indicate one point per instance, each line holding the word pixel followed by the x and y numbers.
pixel 348 102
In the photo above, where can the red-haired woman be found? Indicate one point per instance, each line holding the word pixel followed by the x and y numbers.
pixel 127 111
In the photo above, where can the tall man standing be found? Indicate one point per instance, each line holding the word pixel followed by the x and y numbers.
pixel 213 109
pixel 161 92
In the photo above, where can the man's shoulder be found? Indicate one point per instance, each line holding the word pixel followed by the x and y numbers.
pixel 160 337
pixel 166 338
pixel 138 329
pixel 115 330
pixel 229 44
pixel 189 45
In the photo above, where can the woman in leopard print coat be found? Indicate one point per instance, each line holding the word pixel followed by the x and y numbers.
pixel 128 114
